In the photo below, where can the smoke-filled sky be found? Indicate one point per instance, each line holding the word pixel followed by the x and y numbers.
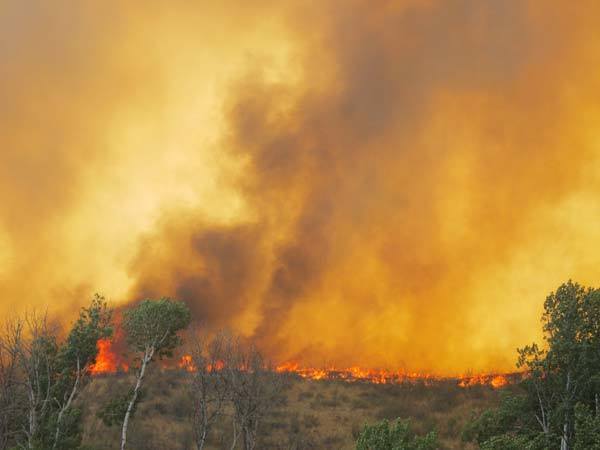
pixel 387 184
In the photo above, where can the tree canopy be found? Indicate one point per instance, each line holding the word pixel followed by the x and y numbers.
pixel 559 403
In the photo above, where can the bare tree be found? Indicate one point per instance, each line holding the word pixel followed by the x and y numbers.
pixel 36 350
pixel 253 388
pixel 11 399
pixel 208 388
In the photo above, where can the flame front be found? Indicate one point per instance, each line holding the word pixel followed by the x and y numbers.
pixel 107 362
pixel 383 376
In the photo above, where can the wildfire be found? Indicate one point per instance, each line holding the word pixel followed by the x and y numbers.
pixel 187 363
pixel 496 381
pixel 107 360
pixel 382 376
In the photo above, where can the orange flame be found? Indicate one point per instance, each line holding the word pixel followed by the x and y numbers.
pixel 496 381
pixel 187 363
pixel 382 376
pixel 106 360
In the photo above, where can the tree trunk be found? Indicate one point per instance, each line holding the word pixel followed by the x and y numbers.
pixel 202 435
pixel 67 405
pixel 147 357
pixel 564 445
pixel 235 435
pixel 32 419
pixel 202 440
pixel 564 440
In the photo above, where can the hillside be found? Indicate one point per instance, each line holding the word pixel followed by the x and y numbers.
pixel 310 414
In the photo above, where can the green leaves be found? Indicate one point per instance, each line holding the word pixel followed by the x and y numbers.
pixel 93 324
pixel 587 429
pixel 394 436
pixel 562 373
pixel 113 411
pixel 155 324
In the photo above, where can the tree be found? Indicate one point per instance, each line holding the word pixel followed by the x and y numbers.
pixel 563 373
pixel 152 331
pixel 208 387
pixel 36 348
pixel 394 436
pixel 41 377
pixel 587 429
pixel 12 399
pixel 75 357
pixel 253 389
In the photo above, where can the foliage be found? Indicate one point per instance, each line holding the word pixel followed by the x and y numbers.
pixel 93 324
pixel 114 410
pixel 395 436
pixel 42 376
pixel 155 323
pixel 561 382
pixel 587 429
pixel 152 330
pixel 74 358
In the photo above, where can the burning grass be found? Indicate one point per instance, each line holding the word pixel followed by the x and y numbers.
pixel 110 362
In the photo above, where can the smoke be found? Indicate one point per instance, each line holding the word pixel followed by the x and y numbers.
pixel 396 186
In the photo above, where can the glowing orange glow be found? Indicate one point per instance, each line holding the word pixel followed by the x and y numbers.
pixel 187 363
pixel 494 380
pixel 382 376
pixel 107 360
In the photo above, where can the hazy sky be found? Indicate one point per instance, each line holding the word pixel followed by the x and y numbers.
pixel 393 184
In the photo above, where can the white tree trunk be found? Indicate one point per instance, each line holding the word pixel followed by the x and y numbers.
pixel 67 405
pixel 146 359
pixel 235 434
pixel 564 443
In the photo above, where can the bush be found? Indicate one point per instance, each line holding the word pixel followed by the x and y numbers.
pixel 397 436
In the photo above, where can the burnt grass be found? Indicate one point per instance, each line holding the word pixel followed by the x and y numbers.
pixel 308 414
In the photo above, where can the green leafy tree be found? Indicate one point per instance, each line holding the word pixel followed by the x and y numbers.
pixel 587 429
pixel 561 374
pixel 152 331
pixel 49 373
pixel 74 359
pixel 394 436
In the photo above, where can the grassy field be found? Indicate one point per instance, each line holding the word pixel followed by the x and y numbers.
pixel 310 414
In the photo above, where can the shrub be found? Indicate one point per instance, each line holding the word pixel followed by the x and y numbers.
pixel 397 436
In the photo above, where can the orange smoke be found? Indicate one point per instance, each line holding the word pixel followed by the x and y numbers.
pixel 395 186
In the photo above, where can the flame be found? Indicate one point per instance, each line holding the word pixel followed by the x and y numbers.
pixel 494 380
pixel 107 360
pixel 187 363
pixel 383 376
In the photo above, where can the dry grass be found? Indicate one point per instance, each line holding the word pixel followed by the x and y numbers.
pixel 310 415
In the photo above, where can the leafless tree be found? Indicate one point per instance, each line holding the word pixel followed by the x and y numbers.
pixel 36 349
pixel 10 383
pixel 208 387
pixel 253 389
